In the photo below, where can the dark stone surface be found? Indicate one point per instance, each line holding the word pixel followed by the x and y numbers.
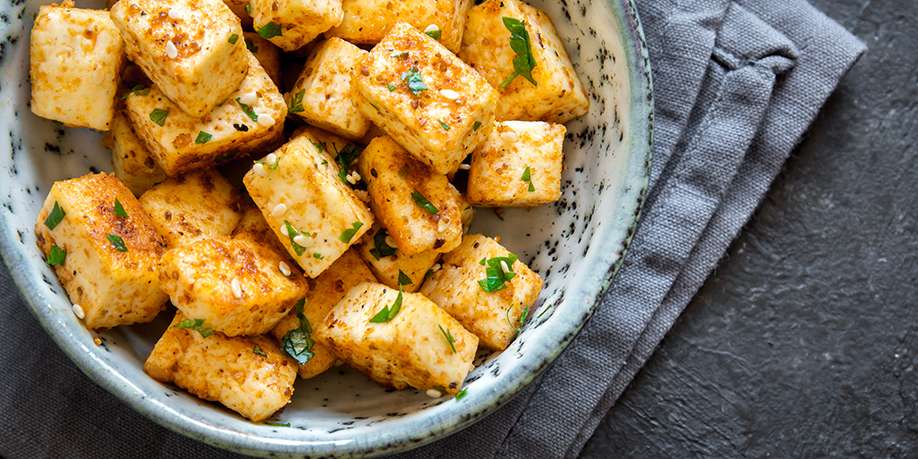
pixel 805 341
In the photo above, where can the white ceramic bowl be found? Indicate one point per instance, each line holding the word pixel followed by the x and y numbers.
pixel 576 245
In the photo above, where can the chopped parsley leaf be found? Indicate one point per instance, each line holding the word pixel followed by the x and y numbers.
pixel 462 393
pixel 258 351
pixel 292 233
pixel 345 159
pixel 159 116
pixel 296 102
pixel 476 126
pixel 277 424
pixel 196 325
pixel 403 279
pixel 527 177
pixel 391 87
pixel 233 38
pixel 443 125
pixel 203 137
pixel 414 80
pixel 495 277
pixel 57 256
pixel 298 343
pixel 523 63
pixel 247 109
pixel 381 248
pixel 425 204
pixel 55 217
pixel 433 32
pixel 349 233
pixel 449 338
pixel 117 242
pixel 317 255
pixel 389 312
pixel 270 30
pixel 119 209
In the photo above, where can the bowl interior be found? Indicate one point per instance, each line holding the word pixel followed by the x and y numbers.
pixel 574 244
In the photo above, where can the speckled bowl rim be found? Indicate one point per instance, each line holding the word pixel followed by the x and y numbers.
pixel 77 349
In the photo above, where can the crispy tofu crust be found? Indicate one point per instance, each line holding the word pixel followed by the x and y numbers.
pixel 368 21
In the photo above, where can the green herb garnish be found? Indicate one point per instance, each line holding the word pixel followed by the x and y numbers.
pixel 270 30
pixel 247 109
pixel 203 137
pixel 349 233
pixel 317 255
pixel 523 62
pixel 293 233
pixel 527 177
pixel 139 89
pixel 296 102
pixel 403 279
pixel 391 87
pixel 196 325
pixel 389 312
pixel 462 393
pixel 54 218
pixel 298 343
pixel 57 256
pixel 495 276
pixel 476 125
pixel 119 209
pixel 414 80
pixel 159 116
pixel 117 242
pixel 433 32
pixel 443 125
pixel 449 338
pixel 258 351
pixel 248 8
pixel 381 249
pixel 345 159
pixel 233 38
pixel 425 204
pixel 277 424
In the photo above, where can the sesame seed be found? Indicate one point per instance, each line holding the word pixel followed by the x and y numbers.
pixel 284 269
pixel 271 159
pixel 339 362
pixel 171 50
pixel 301 240
pixel 259 169
pixel 353 177
pixel 279 210
pixel 465 167
pixel 78 311
pixel 436 267
pixel 237 288
pixel 283 230
pixel 449 94
pixel 504 267
pixel 431 28
pixel 433 393
pixel 265 119
pixel 174 13
pixel 248 98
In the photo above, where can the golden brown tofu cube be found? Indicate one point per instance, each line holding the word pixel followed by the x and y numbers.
pixel 247 121
pixel 419 345
pixel 75 62
pixel 322 95
pixel 325 291
pixel 268 55
pixel 104 250
pixel 368 21
pixel 486 288
pixel 290 24
pixel 420 209
pixel 518 166
pixel 427 99
pixel 313 212
pixel 392 268
pixel 191 207
pixel 249 375
pixel 234 285
pixel 554 94
pixel 192 49
pixel 132 162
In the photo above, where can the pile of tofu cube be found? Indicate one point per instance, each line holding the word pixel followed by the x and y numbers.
pixel 347 239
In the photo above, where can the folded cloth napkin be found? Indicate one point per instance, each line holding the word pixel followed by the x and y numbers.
pixel 737 84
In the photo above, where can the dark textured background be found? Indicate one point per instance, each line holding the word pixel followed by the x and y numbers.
pixel 803 343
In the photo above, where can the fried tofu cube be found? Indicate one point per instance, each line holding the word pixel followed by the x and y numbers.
pixel 322 95
pixel 313 212
pixel 192 49
pixel 132 162
pixel 518 166
pixel 556 95
pixel 75 62
pixel 234 285
pixel 420 209
pixel 250 119
pixel 425 98
pixel 192 207
pixel 475 285
pixel 248 374
pixel 291 24
pixel 419 346
pixel 325 291
pixel 268 55
pixel 106 259
pixel 392 268
pixel 368 21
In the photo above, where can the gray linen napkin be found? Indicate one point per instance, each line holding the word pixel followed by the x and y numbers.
pixel 737 84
